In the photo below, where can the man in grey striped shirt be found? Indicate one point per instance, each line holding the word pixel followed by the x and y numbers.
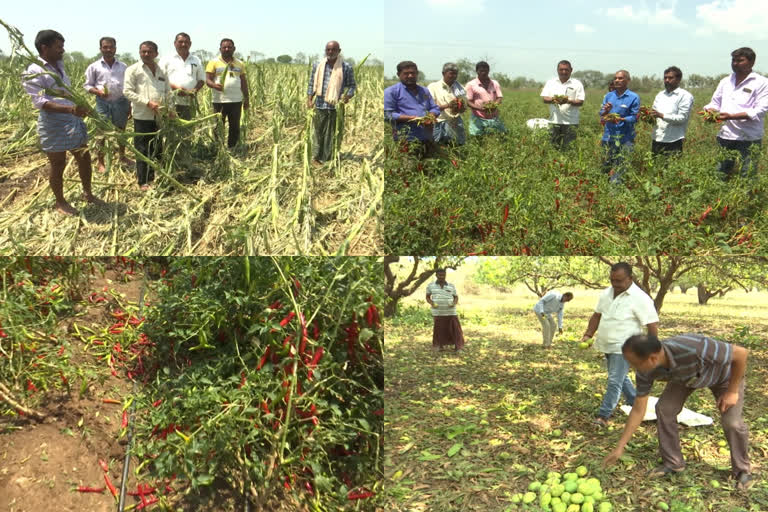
pixel 688 362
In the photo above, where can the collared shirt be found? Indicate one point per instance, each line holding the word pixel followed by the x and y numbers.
pixel 750 96
pixel 99 74
pixel 399 101
pixel 184 73
pixel 442 297
pixel 622 316
pixel 232 92
pixel 564 114
pixel 443 94
pixel 676 107
pixel 695 360
pixel 143 86
pixel 40 87
pixel 549 304
pixel 627 105
pixel 478 93
pixel 348 83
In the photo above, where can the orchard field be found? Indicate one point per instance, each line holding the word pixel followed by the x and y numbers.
pixel 518 195
pixel 467 431
pixel 231 383
pixel 261 198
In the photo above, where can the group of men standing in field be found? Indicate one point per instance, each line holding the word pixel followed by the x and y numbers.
pixel 150 90
pixel 626 324
pixel 433 115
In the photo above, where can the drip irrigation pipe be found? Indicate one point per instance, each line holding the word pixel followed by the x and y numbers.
pixel 127 460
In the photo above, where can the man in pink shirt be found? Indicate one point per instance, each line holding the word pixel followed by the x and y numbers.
pixel 484 98
pixel 742 99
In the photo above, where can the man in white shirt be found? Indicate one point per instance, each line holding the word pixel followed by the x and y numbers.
pixel 564 95
pixel 451 98
pixel 552 302
pixel 672 110
pixel 742 99
pixel 147 87
pixel 623 309
pixel 185 74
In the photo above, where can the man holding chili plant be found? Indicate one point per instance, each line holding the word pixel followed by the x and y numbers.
pixel 565 96
pixel 552 302
pixel 410 109
pixel 688 362
pixel 618 115
pixel 742 99
pixel 623 309
pixel 327 84
pixel 672 110
pixel 105 79
pixel 442 298
pixel 451 99
pixel 60 124
pixel 484 97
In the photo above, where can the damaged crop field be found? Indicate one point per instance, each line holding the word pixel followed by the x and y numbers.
pixel 230 383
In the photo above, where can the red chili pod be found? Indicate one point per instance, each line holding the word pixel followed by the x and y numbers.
pixel 109 485
pixel 287 319
pixel 90 489
pixel 104 466
pixel 124 422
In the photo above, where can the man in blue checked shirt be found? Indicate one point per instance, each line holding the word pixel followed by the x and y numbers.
pixel 329 79
pixel 552 302
pixel 405 103
pixel 619 133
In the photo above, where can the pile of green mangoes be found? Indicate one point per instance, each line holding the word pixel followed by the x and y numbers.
pixel 570 492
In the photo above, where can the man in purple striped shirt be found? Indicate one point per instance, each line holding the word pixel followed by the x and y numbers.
pixel 688 362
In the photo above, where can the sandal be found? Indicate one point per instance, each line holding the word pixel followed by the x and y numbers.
pixel 663 471
pixel 600 422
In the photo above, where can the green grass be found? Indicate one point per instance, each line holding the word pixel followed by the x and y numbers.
pixel 434 207
pixel 497 403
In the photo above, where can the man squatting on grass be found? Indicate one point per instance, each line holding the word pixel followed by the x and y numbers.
pixel 147 87
pixel 59 124
pixel 688 362
pixel 623 309
pixel 327 82
pixel 563 112
pixel 552 302
pixel 742 99
pixel 105 79
pixel 185 74
pixel 672 110
pixel 226 77
pixel 405 103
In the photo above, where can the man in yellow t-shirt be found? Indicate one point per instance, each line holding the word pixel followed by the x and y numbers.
pixel 226 77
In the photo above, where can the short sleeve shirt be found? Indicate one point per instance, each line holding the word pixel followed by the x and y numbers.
pixel 442 296
pixel 232 92
pixel 478 93
pixel 564 114
pixel 622 316
pixel 696 361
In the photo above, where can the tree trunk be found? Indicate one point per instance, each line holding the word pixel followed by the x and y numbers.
pixel 684 288
pixel 704 294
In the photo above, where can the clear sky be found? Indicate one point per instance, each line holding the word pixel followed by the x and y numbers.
pixel 529 37
pixel 271 27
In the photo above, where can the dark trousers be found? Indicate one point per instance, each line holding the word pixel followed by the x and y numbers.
pixel 669 406
pixel 562 134
pixel 324 135
pixel 744 147
pixel 184 112
pixel 667 148
pixel 149 146
pixel 230 114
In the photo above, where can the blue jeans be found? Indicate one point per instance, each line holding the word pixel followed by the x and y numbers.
pixel 618 382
